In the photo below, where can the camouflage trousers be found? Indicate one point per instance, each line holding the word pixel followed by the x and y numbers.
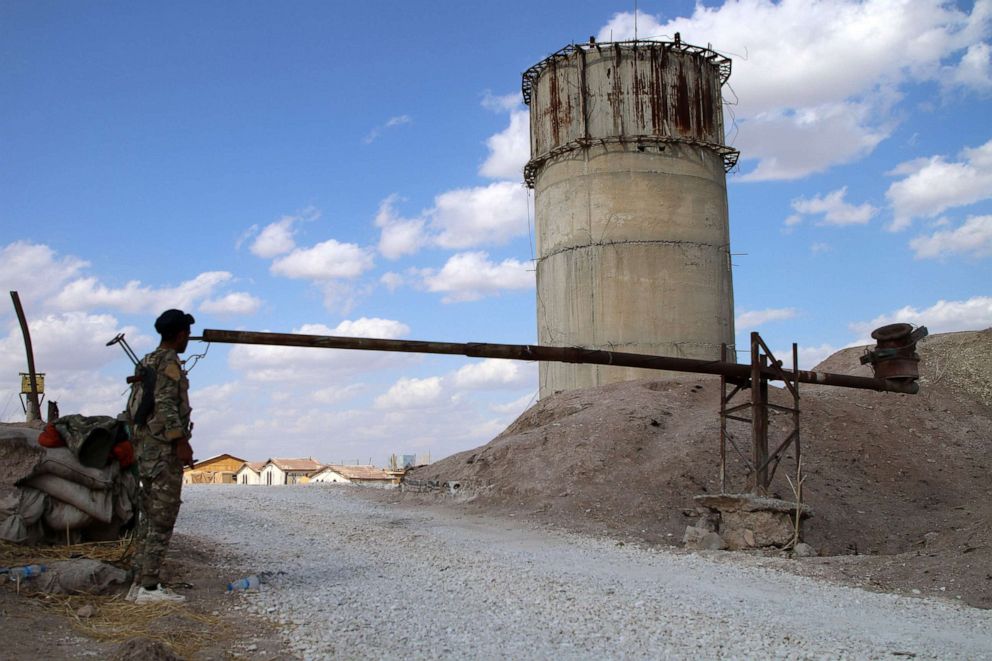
pixel 161 475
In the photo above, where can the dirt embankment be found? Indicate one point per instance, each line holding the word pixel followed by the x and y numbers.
pixel 899 484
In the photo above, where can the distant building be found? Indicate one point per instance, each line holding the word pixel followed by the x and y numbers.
pixel 288 471
pixel 250 473
pixel 219 469
pixel 369 476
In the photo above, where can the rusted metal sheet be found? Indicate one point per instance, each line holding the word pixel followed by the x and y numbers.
pixel 536 352
pixel 626 92
pixel 625 89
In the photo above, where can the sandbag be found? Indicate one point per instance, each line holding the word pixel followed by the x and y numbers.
pixel 13 529
pixel 63 516
pixel 19 453
pixel 98 503
pixel 22 514
pixel 80 576
pixel 62 462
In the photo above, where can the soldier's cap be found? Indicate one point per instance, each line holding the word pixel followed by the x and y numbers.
pixel 173 320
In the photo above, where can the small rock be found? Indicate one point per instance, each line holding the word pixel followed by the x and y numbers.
pixel 252 647
pixel 915 591
pixel 700 538
pixel 749 538
pixel 804 550
pixel 86 611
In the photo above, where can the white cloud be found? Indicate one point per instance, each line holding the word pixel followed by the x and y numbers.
pixel 233 303
pixel 819 247
pixel 792 145
pixel 368 327
pixel 493 373
pixel 809 357
pixel 69 341
pixel 975 69
pixel 753 318
pixel 460 218
pixel 275 239
pixel 504 103
pixel 933 185
pixel 323 366
pixel 411 394
pixel 469 217
pixel 834 209
pixel 821 74
pixel 21 263
pixel 392 280
pixel 400 236
pixel 974 238
pixel 942 317
pixel 392 122
pixel 509 149
pixel 336 394
pixel 324 261
pixel 491 214
pixel 470 276
pixel 133 297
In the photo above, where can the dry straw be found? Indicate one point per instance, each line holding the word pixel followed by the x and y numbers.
pixel 115 620
pixel 115 552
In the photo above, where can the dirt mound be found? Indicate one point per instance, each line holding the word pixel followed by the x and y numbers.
pixel 886 473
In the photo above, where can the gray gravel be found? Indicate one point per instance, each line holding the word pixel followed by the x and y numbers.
pixel 349 578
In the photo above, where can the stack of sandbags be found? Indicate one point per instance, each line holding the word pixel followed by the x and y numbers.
pixel 21 510
pixel 57 491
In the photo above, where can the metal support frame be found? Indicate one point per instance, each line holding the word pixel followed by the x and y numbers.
pixel 761 464
pixel 764 367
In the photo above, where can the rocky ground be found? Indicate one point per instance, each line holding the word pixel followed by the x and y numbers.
pixel 898 483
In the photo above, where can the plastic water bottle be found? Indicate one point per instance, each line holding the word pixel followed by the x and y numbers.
pixel 247 584
pixel 27 571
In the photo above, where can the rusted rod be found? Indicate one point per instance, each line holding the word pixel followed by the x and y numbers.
pixel 551 354
pixel 34 406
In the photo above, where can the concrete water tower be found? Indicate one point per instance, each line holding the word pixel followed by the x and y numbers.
pixel 628 165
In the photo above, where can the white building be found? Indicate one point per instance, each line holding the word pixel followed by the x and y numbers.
pixel 288 471
pixel 250 473
pixel 363 475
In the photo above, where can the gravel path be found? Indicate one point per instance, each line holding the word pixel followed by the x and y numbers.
pixel 363 579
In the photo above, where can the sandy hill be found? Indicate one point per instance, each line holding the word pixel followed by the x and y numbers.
pixel 899 484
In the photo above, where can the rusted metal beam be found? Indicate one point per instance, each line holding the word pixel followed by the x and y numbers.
pixel 538 352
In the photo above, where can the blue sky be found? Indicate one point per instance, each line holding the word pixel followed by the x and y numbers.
pixel 355 169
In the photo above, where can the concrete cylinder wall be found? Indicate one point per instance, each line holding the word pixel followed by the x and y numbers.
pixel 628 169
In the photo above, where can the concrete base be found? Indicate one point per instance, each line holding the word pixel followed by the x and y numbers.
pixel 744 521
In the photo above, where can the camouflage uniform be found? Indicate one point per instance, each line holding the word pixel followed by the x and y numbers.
pixel 160 469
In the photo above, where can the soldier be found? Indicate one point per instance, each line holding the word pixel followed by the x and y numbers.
pixel 162 437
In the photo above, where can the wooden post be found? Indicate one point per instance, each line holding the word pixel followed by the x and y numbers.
pixel 34 406
pixel 759 416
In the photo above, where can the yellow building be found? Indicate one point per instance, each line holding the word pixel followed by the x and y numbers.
pixel 220 469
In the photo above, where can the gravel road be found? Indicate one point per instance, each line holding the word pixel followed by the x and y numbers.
pixel 351 578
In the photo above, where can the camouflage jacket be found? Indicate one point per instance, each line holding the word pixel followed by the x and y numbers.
pixel 171 416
